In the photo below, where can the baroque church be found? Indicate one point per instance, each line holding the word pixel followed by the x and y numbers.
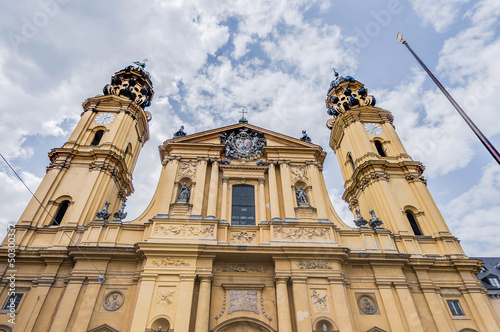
pixel 240 234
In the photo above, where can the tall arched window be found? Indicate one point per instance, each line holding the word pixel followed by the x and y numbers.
pixel 413 222
pixel 243 210
pixel 97 137
pixel 380 149
pixel 61 211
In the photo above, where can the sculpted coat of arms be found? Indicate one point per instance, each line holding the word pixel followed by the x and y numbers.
pixel 243 144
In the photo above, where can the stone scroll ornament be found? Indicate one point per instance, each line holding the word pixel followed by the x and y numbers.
pixel 243 143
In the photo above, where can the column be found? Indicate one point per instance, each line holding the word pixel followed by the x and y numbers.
pixel 184 304
pixel 166 191
pixel 301 304
pixel 203 310
pixel 141 311
pixel 316 189
pixel 273 193
pixel 67 304
pixel 201 171
pixel 434 301
pixel 223 207
pixel 409 308
pixel 288 196
pixel 391 308
pixel 343 315
pixel 212 193
pixel 283 306
pixel 262 201
pixel 87 306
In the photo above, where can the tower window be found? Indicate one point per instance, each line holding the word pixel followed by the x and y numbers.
pixel 97 138
pixel 413 222
pixel 61 211
pixel 350 161
pixel 455 308
pixel 243 211
pixel 380 149
pixel 12 301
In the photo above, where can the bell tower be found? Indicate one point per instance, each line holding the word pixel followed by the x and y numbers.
pixel 382 181
pixel 95 165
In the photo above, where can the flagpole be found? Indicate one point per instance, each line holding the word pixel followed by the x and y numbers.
pixel 471 124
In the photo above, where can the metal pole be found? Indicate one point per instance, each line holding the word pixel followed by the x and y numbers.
pixel 471 124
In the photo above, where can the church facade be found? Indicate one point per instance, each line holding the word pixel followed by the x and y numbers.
pixel 240 234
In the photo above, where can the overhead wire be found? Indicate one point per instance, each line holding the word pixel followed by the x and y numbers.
pixel 52 217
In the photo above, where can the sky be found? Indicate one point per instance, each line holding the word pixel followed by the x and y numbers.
pixel 210 59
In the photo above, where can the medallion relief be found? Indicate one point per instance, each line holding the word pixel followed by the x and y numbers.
pixel 113 300
pixel 184 231
pixel 302 233
pixel 367 304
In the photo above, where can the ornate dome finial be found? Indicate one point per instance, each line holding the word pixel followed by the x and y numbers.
pixel 345 93
pixel 132 82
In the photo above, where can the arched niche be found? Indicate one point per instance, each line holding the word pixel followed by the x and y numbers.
pixel 324 324
pixel 243 324
pixel 162 321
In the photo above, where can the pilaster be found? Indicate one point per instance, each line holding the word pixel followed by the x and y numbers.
pixel 213 191
pixel 283 305
pixel 273 193
pixel 201 171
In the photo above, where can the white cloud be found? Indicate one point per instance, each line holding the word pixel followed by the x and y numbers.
pixel 473 216
pixel 439 14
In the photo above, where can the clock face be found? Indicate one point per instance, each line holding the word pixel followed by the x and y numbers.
pixel 373 128
pixel 104 118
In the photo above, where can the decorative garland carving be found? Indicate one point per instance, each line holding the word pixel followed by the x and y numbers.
pixel 302 233
pixel 165 297
pixel 262 305
pixel 242 268
pixel 244 237
pixel 320 301
pixel 187 169
pixel 313 265
pixel 169 261
pixel 184 231
pixel 298 172
pixel 223 306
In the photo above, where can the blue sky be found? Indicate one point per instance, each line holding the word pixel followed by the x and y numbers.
pixel 208 60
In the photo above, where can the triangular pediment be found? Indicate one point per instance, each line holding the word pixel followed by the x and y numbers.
pixel 272 138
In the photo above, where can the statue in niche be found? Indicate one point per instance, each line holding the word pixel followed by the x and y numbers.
pixel 301 196
pixel 183 193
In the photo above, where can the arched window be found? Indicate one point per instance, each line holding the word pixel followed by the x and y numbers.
pixel 413 222
pixel 350 161
pixel 243 211
pixel 61 211
pixel 380 149
pixel 97 138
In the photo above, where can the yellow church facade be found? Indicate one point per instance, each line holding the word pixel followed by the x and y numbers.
pixel 240 234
